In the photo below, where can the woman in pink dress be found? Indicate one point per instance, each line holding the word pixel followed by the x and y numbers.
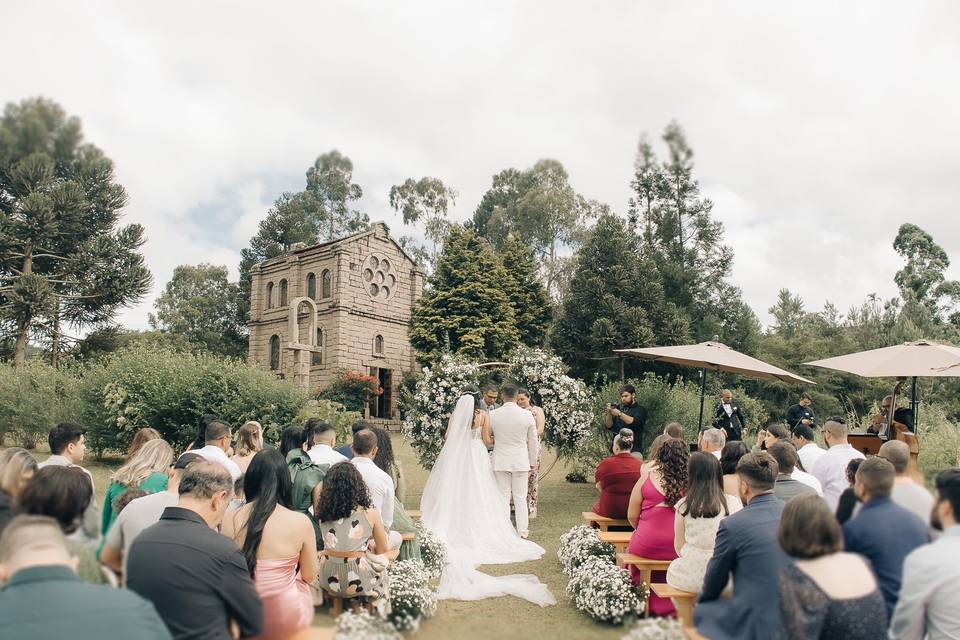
pixel 652 514
pixel 278 543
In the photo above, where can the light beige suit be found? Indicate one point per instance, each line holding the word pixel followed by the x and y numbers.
pixel 515 448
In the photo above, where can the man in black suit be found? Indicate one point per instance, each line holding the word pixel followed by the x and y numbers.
pixel 746 546
pixel 801 413
pixel 729 417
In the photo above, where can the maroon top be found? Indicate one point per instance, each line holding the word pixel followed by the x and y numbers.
pixel 617 475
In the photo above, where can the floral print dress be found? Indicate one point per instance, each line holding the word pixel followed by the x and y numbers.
pixel 351 577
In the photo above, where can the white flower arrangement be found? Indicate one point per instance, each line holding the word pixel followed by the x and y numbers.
pixel 656 629
pixel 412 598
pixel 433 551
pixel 363 626
pixel 604 591
pixel 580 543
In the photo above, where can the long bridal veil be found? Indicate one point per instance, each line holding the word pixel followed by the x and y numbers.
pixel 463 506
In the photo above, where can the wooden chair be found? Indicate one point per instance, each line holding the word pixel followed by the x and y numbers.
pixel 602 522
pixel 646 566
pixel 619 539
pixel 682 600
pixel 338 604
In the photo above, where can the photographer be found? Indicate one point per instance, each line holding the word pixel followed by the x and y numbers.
pixel 802 413
pixel 628 415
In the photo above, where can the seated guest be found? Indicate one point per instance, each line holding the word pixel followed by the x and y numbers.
pixel 616 477
pixel 654 452
pixel 907 492
pixel 651 512
pixel 17 466
pixel 747 547
pixel 146 469
pixel 699 514
pixel 786 487
pixel 324 440
pixel 849 504
pixel 712 441
pixel 306 476
pixel 773 433
pixel 800 474
pixel 402 522
pixel 379 484
pixel 831 468
pixel 825 593
pixel 68 445
pixel 674 430
pixel 217 447
pixel 883 531
pixel 140 438
pixel 43 598
pixel 931 574
pixel 351 525
pixel 729 459
pixel 347 450
pixel 807 447
pixel 196 578
pixel 142 513
pixel 64 494
pixel 278 544
pixel 249 443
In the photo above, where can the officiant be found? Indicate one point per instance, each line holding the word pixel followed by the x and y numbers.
pixel 627 415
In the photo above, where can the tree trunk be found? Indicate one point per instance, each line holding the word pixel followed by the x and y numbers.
pixel 57 335
pixel 23 330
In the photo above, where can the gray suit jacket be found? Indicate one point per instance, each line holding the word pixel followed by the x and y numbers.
pixel 786 488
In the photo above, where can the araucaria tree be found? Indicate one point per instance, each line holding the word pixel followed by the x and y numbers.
pixel 465 309
pixel 532 307
pixel 63 257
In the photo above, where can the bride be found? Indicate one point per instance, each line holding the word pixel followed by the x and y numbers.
pixel 463 506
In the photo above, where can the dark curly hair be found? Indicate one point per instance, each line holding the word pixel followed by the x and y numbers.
pixel 384 458
pixel 672 465
pixel 343 491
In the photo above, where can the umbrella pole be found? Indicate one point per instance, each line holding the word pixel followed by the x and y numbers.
pixel 703 390
pixel 915 406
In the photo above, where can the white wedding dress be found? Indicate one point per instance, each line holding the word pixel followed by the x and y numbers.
pixel 463 506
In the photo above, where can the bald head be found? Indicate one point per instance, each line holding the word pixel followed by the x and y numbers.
pixel 32 541
pixel 897 453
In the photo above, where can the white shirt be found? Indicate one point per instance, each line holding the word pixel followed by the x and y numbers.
pixel 325 454
pixel 89 531
pixel 807 479
pixel 809 454
pixel 728 408
pixel 137 516
pixel 928 593
pixel 213 453
pixel 717 454
pixel 914 498
pixel 380 486
pixel 831 471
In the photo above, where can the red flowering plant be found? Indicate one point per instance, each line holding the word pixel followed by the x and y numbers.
pixel 351 389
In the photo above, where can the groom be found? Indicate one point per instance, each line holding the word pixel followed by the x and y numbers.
pixel 514 434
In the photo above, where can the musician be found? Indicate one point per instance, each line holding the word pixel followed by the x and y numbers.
pixel 801 413
pixel 728 417
pixel 902 418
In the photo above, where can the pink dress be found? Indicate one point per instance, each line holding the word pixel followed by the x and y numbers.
pixel 287 603
pixel 653 539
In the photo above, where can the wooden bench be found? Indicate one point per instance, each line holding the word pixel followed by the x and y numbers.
pixel 337 604
pixel 604 523
pixel 682 600
pixel 407 537
pixel 619 539
pixel 645 566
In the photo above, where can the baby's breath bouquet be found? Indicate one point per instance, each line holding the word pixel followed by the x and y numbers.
pixel 580 543
pixel 433 551
pixel 363 626
pixel 605 592
pixel 656 629
pixel 412 598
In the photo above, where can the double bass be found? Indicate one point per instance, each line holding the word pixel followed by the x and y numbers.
pixel 889 428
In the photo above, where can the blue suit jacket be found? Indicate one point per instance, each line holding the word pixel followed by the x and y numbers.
pixel 884 532
pixel 747 547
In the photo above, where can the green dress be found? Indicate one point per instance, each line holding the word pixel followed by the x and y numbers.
pixel 402 522
pixel 306 475
pixel 88 568
pixel 351 577
pixel 151 484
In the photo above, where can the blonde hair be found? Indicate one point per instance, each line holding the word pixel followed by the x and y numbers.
pixel 153 457
pixel 249 438
pixel 14 462
pixel 140 438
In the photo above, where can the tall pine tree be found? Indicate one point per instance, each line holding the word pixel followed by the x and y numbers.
pixel 532 307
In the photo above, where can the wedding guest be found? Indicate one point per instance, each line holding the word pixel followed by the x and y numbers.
pixel 278 544
pixel 201 438
pixel 525 401
pixel 824 593
pixel 628 414
pixel 351 525
pixel 217 447
pixel 17 466
pixel 347 450
pixel 379 484
pixel 883 531
pixel 140 438
pixel 142 513
pixel 712 441
pixel 249 443
pixel 654 452
pixel 931 574
pixel 43 598
pixel 729 458
pixel 849 504
pixel 773 433
pixel 807 447
pixel 146 469
pixel 307 477
pixel 729 417
pixel 402 522
pixel 831 468
pixel 68 445
pixel 64 494
pixel 698 516
pixel 651 512
pixel 324 440
pixel 787 487
pixel 616 477
pixel 674 430
pixel 747 547
pixel 907 493
pixel 196 578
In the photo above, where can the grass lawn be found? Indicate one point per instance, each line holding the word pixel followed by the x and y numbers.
pixel 560 506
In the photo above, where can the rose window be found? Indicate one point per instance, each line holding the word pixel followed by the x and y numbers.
pixel 379 277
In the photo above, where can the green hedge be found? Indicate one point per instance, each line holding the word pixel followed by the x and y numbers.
pixel 33 399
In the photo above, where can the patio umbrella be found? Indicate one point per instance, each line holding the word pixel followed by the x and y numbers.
pixel 714 356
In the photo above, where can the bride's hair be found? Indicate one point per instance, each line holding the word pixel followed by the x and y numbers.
pixel 474 391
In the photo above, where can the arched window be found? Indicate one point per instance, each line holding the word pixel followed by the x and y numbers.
pixel 283 293
pixel 326 284
pixel 312 286
pixel 378 346
pixel 318 355
pixel 275 353
pixel 269 295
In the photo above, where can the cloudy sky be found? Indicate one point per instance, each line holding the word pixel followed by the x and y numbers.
pixel 818 127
